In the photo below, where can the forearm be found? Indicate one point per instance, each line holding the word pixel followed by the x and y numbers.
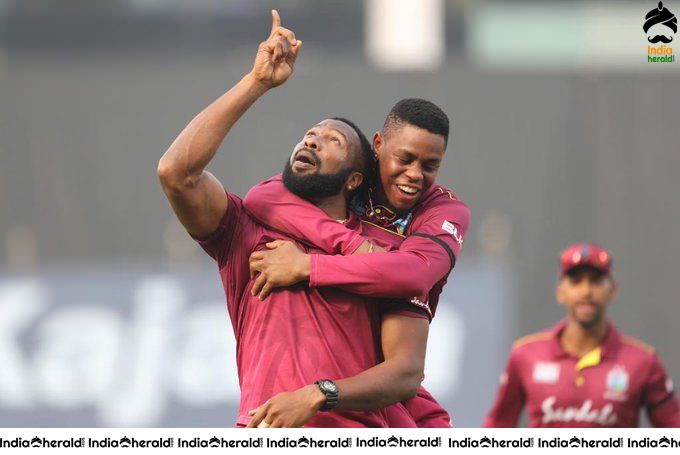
pixel 404 342
pixel 380 386
pixel 383 385
pixel 397 274
pixel 184 162
pixel 272 205
pixel 398 377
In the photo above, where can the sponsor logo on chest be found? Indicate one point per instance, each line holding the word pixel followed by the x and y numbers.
pixel 546 372
pixel 584 413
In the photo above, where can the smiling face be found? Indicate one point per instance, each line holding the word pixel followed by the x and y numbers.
pixel 323 163
pixel 408 162
pixel 586 292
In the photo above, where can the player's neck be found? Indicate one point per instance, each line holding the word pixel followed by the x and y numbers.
pixel 334 206
pixel 577 340
pixel 377 197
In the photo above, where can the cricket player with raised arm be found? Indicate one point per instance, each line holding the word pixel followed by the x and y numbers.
pixel 343 358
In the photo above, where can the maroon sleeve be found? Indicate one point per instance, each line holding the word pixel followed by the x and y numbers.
pixel 416 307
pixel 660 400
pixel 445 220
pixel 409 271
pixel 510 397
pixel 426 256
pixel 274 206
pixel 234 236
pixel 426 411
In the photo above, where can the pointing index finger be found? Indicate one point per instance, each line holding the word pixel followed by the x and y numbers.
pixel 276 22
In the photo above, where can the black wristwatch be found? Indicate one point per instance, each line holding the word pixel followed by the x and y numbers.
pixel 329 389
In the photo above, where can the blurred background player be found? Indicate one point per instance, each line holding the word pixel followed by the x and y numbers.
pixel 584 372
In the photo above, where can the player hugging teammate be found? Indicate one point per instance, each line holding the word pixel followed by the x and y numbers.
pixel 333 271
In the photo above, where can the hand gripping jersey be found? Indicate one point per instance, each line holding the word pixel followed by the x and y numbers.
pixel 605 388
pixel 429 240
pixel 298 334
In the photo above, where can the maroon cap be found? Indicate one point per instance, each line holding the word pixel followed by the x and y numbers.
pixel 585 254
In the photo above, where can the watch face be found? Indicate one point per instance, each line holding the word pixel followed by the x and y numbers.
pixel 329 385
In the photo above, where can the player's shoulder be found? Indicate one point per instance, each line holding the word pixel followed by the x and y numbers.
pixel 533 340
pixel 243 224
pixel 636 345
pixel 443 191
pixel 442 199
pixel 440 193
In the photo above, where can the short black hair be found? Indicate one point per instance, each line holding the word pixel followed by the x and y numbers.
pixel 365 161
pixel 417 112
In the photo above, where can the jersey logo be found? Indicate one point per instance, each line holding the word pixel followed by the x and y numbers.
pixel 451 229
pixel 585 413
pixel 617 384
pixel 669 385
pixel 546 372
pixel 424 305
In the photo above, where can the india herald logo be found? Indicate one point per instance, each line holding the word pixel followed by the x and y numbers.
pixel 660 26
pixel 659 23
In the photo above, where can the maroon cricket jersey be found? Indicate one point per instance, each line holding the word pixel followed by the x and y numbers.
pixel 427 251
pixel 605 388
pixel 298 334
pixel 427 248
pixel 423 410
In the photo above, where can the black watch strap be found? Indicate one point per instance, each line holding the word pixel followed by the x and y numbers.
pixel 329 389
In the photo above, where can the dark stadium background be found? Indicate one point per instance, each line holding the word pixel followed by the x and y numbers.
pixel 110 316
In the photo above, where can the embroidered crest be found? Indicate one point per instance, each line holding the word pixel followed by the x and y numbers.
pixel 617 384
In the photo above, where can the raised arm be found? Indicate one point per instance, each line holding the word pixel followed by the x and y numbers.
pixel 397 378
pixel 270 203
pixel 196 196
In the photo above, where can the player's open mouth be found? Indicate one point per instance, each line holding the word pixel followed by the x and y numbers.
pixel 408 190
pixel 588 307
pixel 304 160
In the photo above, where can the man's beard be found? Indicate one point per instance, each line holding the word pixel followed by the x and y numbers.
pixel 590 323
pixel 314 185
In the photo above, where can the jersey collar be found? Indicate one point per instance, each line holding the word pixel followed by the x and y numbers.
pixel 609 346
pixel 381 216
